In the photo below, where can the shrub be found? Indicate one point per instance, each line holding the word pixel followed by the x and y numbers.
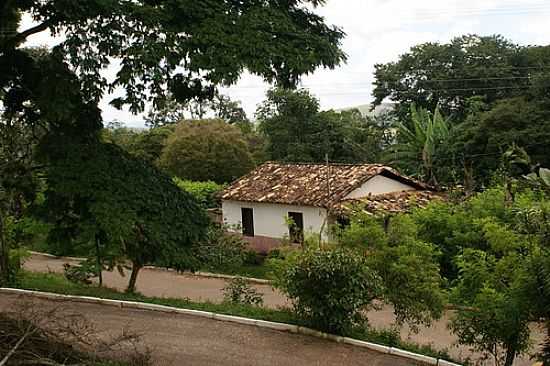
pixel 221 251
pixel 204 192
pixel 81 273
pixel 239 292
pixel 253 258
pixel 329 288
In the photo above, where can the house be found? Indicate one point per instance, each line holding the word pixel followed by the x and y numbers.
pixel 313 196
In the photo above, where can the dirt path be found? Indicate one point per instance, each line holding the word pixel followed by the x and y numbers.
pixel 162 283
pixel 177 339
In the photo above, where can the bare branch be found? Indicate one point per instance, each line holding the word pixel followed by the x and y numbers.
pixel 14 349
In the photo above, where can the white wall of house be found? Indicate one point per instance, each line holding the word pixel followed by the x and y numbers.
pixel 269 218
pixel 379 185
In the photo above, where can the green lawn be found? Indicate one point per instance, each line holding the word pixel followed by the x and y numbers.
pixel 56 283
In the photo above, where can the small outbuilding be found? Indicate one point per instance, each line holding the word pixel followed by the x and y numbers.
pixel 278 200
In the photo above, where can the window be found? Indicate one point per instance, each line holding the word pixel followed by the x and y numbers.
pixel 296 228
pixel 247 220
pixel 343 222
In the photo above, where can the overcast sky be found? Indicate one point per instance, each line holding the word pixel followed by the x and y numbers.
pixel 378 31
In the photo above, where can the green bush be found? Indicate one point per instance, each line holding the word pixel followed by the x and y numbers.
pixel 330 288
pixel 204 192
pixel 221 251
pixel 253 258
pixel 81 273
pixel 239 292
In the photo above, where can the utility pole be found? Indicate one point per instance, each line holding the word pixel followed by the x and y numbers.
pixel 328 174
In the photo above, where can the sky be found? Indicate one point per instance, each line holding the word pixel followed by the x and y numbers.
pixel 378 31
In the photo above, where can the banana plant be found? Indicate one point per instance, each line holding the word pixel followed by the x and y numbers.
pixel 540 179
pixel 418 144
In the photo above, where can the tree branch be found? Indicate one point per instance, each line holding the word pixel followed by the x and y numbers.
pixel 14 349
pixel 21 37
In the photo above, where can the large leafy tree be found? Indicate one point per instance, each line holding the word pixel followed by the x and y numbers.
pixel 206 150
pixel 136 210
pixel 183 48
pixel 488 133
pixel 18 184
pixel 451 73
pixel 297 130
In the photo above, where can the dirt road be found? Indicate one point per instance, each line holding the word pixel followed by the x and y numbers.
pixel 192 341
pixel 162 283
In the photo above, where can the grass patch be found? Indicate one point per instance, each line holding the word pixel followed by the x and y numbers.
pixel 56 283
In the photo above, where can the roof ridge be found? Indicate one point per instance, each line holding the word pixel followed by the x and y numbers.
pixel 324 164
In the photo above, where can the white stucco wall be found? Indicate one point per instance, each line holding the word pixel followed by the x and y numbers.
pixel 269 218
pixel 379 185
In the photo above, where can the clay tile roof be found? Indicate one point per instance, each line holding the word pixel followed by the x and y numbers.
pixel 307 184
pixel 395 202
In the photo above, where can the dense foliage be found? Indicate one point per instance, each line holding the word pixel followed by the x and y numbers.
pixel 220 251
pixel 330 288
pixel 206 150
pixel 204 192
pixel 181 48
pixel 495 256
pixel 105 193
pixel 450 74
pixel 493 93
pixel 407 265
pixel 297 131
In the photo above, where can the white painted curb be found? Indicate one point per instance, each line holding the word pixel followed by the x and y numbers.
pixel 235 319
pixel 259 281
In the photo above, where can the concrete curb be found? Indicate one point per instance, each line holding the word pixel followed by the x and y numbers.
pixel 235 319
pixel 258 281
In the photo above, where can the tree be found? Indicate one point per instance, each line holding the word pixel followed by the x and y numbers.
pixel 296 130
pixel 330 288
pixel 18 185
pixel 217 47
pixel 494 258
pixel 406 265
pixel 137 209
pixel 158 48
pixel 494 316
pixel 220 106
pixel 206 150
pixel 486 135
pixel 418 148
pixel 449 74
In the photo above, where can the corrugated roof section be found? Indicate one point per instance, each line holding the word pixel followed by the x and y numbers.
pixel 318 185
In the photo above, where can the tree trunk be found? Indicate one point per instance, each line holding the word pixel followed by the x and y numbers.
pixel 99 261
pixel 510 356
pixel 133 278
pixel 4 255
